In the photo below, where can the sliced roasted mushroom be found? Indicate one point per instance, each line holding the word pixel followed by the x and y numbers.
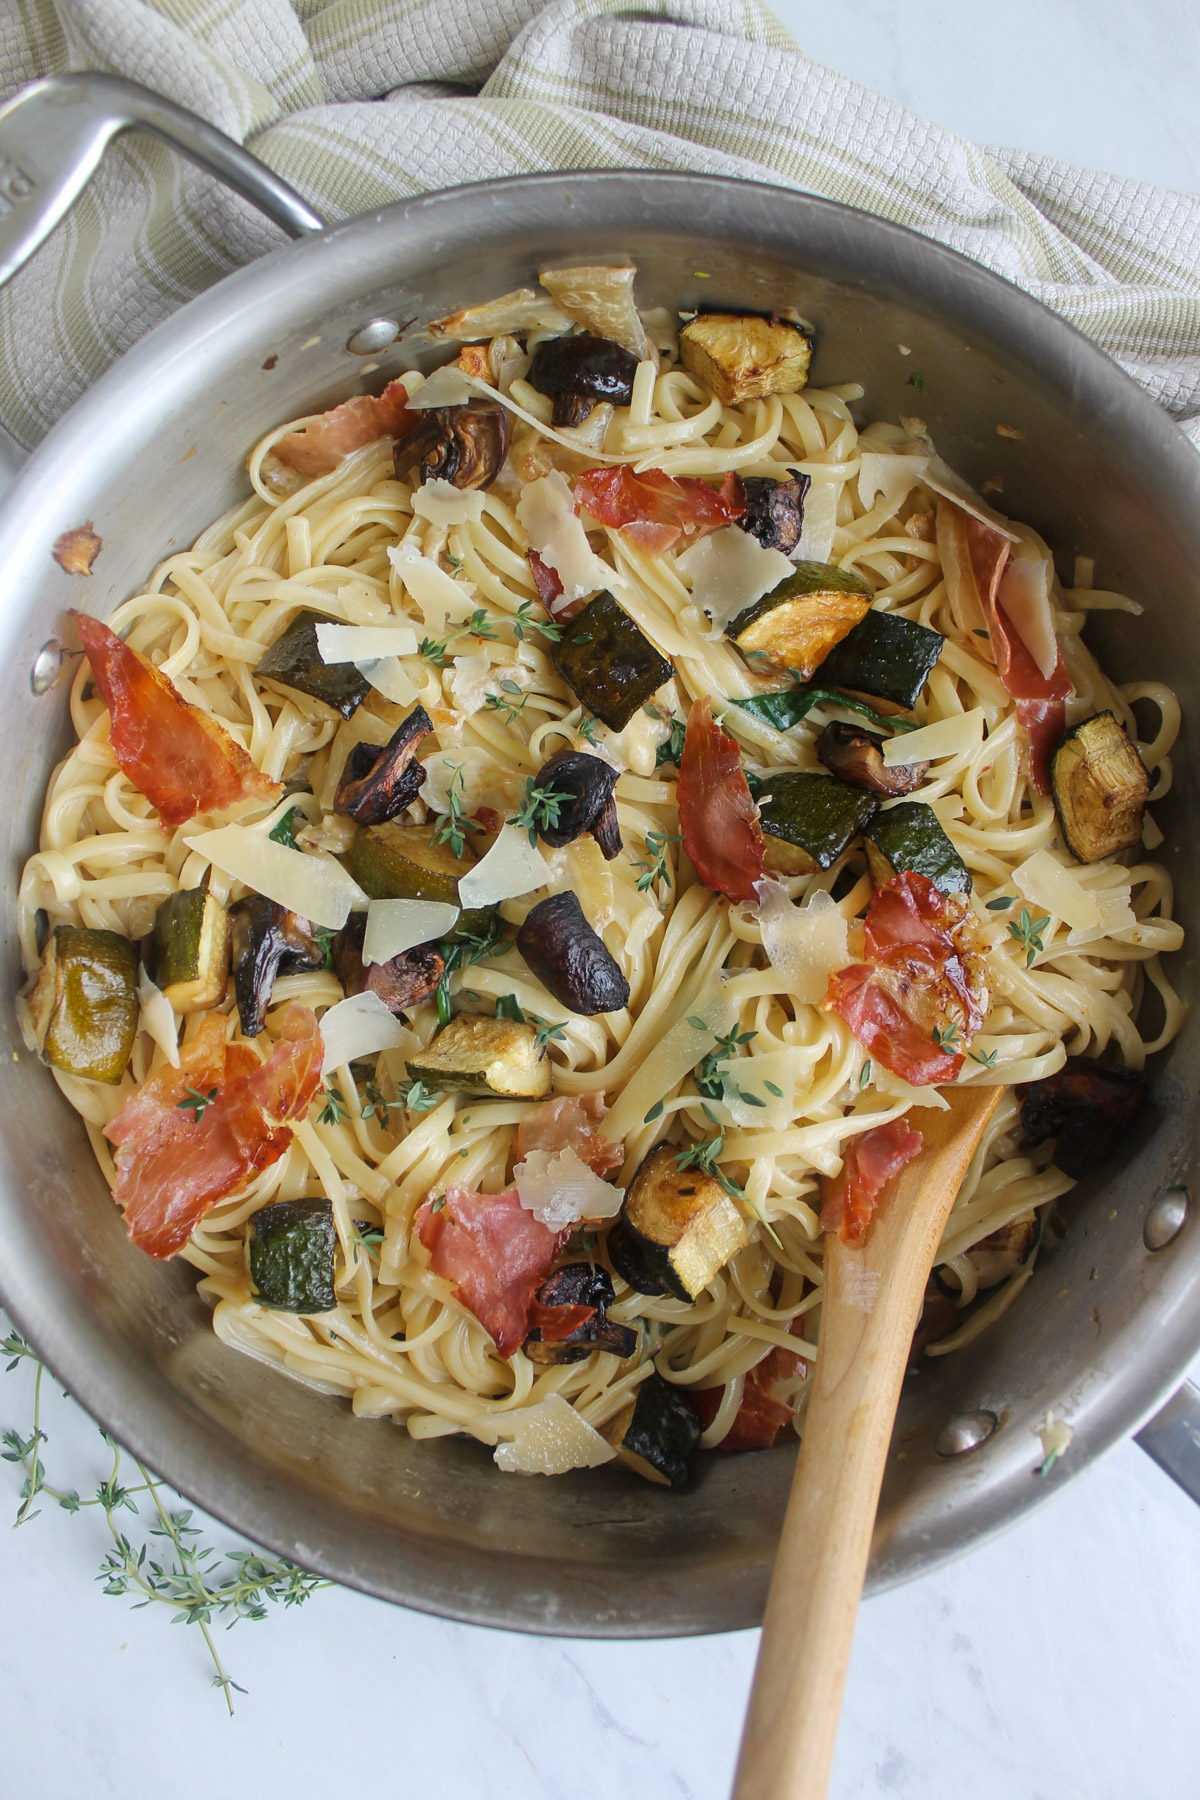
pixel 401 983
pixel 939 1317
pixel 997 1256
pixel 578 371
pixel 465 445
pixel 856 756
pixel 377 784
pixel 569 959
pixel 559 1340
pixel 774 511
pixel 266 940
pixel 588 784
pixel 1087 1107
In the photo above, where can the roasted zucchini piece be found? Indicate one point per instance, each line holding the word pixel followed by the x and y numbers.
pixel 741 356
pixel 570 960
pixel 265 939
pixel 477 1055
pixel 856 755
pixel 401 983
pixel 293 665
pixel 291 1253
pixel 1100 788
pixel 609 662
pixel 774 512
pixel 677 1228
pixel 798 623
pixel 576 1285
pixel 189 950
pixel 395 861
pixel 887 657
pixel 84 1005
pixel 657 1434
pixel 808 820
pixel 377 784
pixel 910 836
pixel 1087 1107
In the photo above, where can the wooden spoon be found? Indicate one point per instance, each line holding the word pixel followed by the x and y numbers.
pixel 871 1304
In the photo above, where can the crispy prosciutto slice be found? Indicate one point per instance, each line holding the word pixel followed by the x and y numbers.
pixel 554 1324
pixel 655 511
pixel 868 1165
pixel 495 1253
pixel 194 1135
pixel 920 996
pixel 175 753
pixel 975 560
pixel 568 1123
pixel 550 588
pixel 717 817
pixel 327 441
pixel 761 1415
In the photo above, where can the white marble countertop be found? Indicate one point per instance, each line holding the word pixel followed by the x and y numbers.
pixel 1055 1663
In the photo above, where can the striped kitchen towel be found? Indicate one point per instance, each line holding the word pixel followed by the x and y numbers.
pixel 358 102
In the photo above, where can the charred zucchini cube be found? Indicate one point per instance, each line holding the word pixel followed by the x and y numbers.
pixel 678 1227
pixel 609 662
pixel 657 1433
pixel 910 836
pixel 798 623
pixel 808 820
pixel 741 356
pixel 190 950
pixel 1100 788
pixel 294 664
pixel 885 657
pixel 397 861
pixel 84 1006
pixel 477 1055
pixel 291 1252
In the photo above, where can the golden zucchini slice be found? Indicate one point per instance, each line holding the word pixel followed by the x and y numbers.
pixel 678 1227
pixel 1100 788
pixel 797 624
pixel 480 1055
pixel 742 357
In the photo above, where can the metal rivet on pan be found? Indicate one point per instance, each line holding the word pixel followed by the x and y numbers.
pixel 376 334
pixel 966 1432
pixel 1166 1219
pixel 46 666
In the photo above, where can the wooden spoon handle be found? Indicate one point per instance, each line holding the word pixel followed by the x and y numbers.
pixel 872 1302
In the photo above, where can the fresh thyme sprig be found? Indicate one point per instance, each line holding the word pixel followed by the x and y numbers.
pixel 334 1109
pixel 672 750
pixel 1028 933
pixel 657 868
pixel 460 951
pixel 503 704
pixel 196 1103
pixel 525 622
pixel 717 1082
pixel 452 829
pixel 539 808
pixel 546 1034
pixel 947 1037
pixel 172 1567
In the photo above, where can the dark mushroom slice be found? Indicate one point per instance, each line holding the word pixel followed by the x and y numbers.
pixel 291 1256
pixel 293 663
pixel 657 1434
pixel 401 983
pixel 797 624
pixel 677 1228
pixel 266 940
pixel 939 1317
pixel 886 658
pixel 910 836
pixel 478 1055
pixel 998 1256
pixel 742 356
pixel 808 820
pixel 588 783
pixel 609 662
pixel 774 511
pixel 569 959
pixel 189 950
pixel 376 783
pixel 1087 1107
pixel 1100 788
pixel 465 445
pixel 576 372
pixel 577 1285
pixel 855 755
pixel 84 1005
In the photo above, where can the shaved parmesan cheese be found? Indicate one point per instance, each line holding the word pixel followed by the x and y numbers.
pixel 942 479
pixel 806 944
pixel 959 735
pixel 316 887
pixel 1046 882
pixel 729 570
pixel 157 1018
pixel 469 681
pixel 562 1191
pixel 394 926
pixel 1024 594
pixel 482 782
pixel 443 504
pixel 512 867
pixel 820 523
pixel 549 1439
pixel 890 478
pixel 447 386
pixel 546 514
pixel 390 678
pixel 758 1077
pixel 359 1026
pixel 1116 914
pixel 668 1059
pixel 440 598
pixel 364 643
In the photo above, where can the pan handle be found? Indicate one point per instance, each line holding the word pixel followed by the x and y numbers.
pixel 54 132
pixel 1172 1439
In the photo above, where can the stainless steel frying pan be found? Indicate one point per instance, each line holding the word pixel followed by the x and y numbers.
pixel 155 450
